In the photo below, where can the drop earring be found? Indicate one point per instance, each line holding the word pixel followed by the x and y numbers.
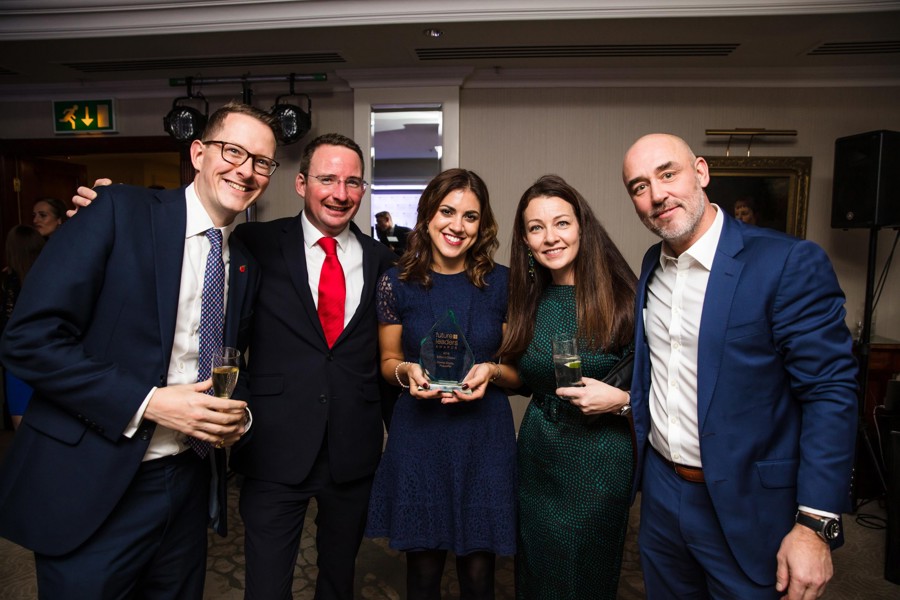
pixel 530 265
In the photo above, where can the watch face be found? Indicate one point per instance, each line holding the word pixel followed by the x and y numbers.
pixel 832 529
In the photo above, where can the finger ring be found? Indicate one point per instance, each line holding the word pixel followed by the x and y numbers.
pixel 219 444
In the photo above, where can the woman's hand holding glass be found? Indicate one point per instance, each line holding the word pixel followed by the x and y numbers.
pixel 595 397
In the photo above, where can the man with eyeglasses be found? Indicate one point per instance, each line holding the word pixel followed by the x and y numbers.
pixel 314 379
pixel 108 480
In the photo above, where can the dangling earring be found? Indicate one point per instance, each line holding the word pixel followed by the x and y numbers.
pixel 530 265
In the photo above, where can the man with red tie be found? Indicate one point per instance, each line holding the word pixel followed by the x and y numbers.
pixel 314 380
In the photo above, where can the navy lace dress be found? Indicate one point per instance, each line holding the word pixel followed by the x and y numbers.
pixel 447 477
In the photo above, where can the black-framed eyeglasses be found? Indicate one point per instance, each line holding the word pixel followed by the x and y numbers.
pixel 352 183
pixel 238 155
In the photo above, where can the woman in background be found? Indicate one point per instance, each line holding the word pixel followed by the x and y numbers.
pixel 47 215
pixel 23 244
pixel 447 477
pixel 567 277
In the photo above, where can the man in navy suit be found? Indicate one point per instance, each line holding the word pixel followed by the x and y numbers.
pixel 316 402
pixel 744 387
pixel 100 481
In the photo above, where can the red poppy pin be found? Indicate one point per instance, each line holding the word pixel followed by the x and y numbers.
pixel 242 268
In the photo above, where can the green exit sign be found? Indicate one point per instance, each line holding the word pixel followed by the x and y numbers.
pixel 79 116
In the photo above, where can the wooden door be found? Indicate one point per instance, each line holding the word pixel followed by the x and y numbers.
pixel 40 177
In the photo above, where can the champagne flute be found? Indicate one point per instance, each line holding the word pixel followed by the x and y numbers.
pixel 225 369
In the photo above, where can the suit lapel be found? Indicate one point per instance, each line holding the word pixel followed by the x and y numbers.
pixel 293 249
pixel 168 220
pixel 238 276
pixel 720 289
pixel 370 277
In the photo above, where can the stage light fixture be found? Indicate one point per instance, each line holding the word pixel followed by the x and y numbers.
pixel 186 123
pixel 292 121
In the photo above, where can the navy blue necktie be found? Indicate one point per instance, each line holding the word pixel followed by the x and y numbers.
pixel 212 319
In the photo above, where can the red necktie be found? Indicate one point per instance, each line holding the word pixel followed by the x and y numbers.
pixel 332 292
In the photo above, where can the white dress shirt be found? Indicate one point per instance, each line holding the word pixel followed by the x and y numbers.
pixel 672 320
pixel 350 255
pixel 185 358
pixel 675 295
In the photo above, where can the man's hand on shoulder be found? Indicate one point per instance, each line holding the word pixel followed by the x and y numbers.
pixel 85 195
pixel 804 565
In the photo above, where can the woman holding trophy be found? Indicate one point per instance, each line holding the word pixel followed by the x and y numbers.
pixel 569 283
pixel 446 481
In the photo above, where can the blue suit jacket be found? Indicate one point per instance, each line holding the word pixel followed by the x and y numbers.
pixel 92 333
pixel 776 388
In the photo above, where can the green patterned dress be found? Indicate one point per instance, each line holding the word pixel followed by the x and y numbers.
pixel 574 477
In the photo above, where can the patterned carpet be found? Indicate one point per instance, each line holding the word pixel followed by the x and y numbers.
pixel 859 565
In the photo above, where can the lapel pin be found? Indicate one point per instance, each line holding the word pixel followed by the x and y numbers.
pixel 242 268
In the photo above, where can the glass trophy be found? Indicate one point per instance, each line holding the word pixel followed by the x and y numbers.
pixel 445 356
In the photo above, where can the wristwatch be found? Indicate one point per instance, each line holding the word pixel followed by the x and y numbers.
pixel 625 410
pixel 827 528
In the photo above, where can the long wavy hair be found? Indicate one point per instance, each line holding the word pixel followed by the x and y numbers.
pixel 415 264
pixel 604 283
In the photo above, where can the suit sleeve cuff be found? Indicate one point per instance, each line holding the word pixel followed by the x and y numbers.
pixel 815 511
pixel 135 421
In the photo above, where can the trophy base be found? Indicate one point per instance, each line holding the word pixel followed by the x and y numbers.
pixel 446 386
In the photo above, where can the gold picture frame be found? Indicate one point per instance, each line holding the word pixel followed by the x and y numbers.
pixel 774 188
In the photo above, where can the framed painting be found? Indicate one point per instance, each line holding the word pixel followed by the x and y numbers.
pixel 768 191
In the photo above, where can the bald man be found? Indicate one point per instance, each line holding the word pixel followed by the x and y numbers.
pixel 745 389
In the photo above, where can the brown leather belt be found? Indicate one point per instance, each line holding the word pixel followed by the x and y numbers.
pixel 692 474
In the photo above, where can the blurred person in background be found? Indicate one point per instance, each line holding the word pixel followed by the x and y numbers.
pixel 23 244
pixel 47 215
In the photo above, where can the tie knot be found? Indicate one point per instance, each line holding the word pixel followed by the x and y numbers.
pixel 329 245
pixel 215 238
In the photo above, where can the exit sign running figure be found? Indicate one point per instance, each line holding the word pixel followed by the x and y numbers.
pixel 79 116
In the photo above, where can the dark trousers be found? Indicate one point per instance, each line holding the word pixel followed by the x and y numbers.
pixel 684 553
pixel 152 546
pixel 273 515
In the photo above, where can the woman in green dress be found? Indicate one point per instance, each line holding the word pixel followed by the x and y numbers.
pixel 574 453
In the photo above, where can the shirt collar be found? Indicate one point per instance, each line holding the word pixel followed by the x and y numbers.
pixel 198 221
pixel 311 235
pixel 703 251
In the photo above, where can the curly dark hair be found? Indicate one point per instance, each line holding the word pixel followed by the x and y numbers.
pixel 415 264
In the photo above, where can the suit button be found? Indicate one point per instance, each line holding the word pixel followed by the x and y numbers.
pixel 323 399
pixel 144 433
pixel 162 380
pixel 330 356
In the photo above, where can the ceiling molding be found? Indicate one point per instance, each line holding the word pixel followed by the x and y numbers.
pixel 63 19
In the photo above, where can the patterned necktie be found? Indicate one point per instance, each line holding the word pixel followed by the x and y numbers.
pixel 332 292
pixel 212 319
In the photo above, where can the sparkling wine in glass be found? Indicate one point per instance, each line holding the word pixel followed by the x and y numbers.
pixel 225 369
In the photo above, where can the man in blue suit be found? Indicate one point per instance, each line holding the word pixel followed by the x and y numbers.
pixel 745 390
pixel 108 479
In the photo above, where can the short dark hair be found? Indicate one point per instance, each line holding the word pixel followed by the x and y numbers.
pixel 383 213
pixel 330 139
pixel 217 120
